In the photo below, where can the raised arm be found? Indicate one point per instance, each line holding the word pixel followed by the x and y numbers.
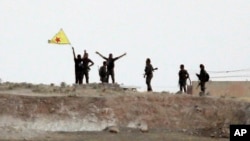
pixel 84 53
pixel 74 54
pixel 121 55
pixel 101 55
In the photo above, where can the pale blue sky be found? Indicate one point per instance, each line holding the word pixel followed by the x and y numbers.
pixel 170 32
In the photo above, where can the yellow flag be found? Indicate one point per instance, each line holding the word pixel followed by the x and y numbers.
pixel 59 38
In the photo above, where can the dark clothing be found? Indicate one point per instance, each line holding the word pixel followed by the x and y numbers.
pixel 202 84
pixel 148 82
pixel 78 71
pixel 149 75
pixel 202 75
pixel 112 73
pixel 78 77
pixel 183 75
pixel 86 74
pixel 103 74
pixel 85 63
pixel 111 63
pixel 110 68
pixel 202 78
pixel 149 69
pixel 78 64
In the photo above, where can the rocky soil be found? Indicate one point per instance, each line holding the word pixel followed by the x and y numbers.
pixel 108 112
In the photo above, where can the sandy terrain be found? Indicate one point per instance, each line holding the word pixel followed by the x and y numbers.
pixel 99 112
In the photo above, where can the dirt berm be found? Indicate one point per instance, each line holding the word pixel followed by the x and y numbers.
pixel 40 112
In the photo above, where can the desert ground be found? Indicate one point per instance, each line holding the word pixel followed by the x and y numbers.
pixel 108 112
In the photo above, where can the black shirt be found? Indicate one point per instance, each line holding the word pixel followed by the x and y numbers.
pixel 85 63
pixel 202 75
pixel 149 69
pixel 78 64
pixel 111 63
pixel 103 71
pixel 183 75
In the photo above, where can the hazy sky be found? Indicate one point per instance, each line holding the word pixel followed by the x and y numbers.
pixel 170 32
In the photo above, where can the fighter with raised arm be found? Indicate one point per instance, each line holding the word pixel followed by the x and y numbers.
pixel 110 64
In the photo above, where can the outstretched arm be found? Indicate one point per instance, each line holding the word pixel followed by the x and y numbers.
pixel 74 54
pixel 121 56
pixel 101 55
pixel 155 69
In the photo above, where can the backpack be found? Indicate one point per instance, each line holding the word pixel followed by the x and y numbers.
pixel 207 77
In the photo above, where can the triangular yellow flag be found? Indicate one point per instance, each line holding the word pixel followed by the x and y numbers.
pixel 59 38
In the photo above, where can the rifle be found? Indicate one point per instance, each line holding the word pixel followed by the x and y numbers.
pixel 144 75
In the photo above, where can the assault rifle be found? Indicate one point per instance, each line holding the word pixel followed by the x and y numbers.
pixel 144 75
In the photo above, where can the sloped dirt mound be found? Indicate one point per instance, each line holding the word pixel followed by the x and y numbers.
pixel 94 109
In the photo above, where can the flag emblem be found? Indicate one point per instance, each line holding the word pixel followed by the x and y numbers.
pixel 59 38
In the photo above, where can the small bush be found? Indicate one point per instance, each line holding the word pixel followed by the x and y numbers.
pixel 63 84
